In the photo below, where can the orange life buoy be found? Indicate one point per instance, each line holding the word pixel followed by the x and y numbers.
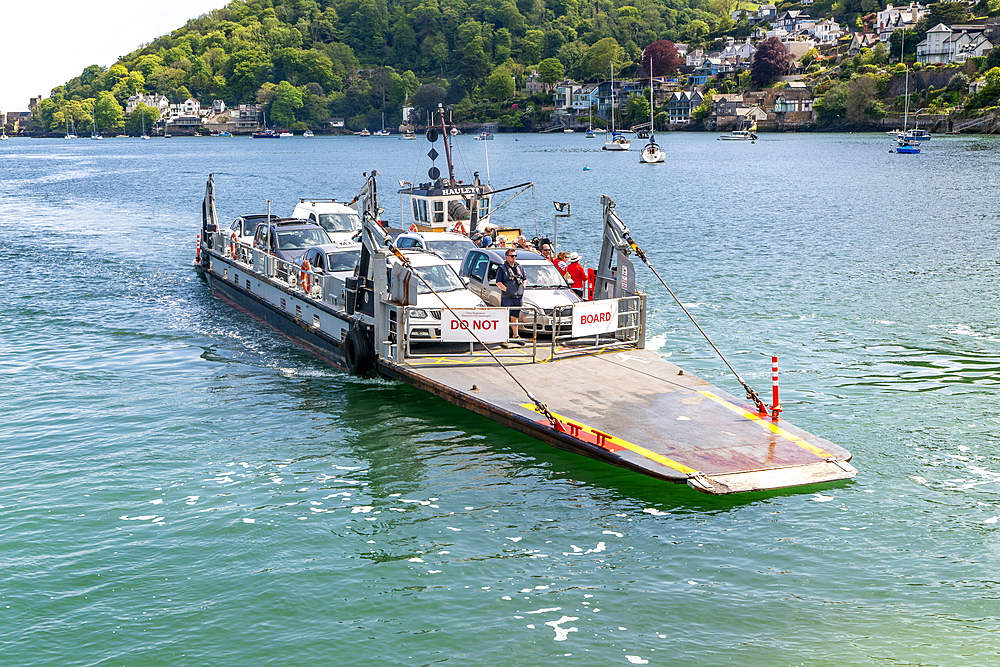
pixel 459 228
pixel 305 278
pixel 413 226
pixel 197 251
pixel 233 246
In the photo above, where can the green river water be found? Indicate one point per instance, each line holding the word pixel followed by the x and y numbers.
pixel 180 485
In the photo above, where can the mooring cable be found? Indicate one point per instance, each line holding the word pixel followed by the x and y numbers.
pixel 409 265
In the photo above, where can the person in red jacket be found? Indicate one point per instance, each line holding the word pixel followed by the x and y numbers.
pixel 577 273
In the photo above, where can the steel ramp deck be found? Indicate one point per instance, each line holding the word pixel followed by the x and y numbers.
pixel 637 410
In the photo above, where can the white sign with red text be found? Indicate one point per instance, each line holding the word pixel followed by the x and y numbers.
pixel 595 317
pixel 490 325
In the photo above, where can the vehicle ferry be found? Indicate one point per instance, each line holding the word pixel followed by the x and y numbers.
pixel 590 387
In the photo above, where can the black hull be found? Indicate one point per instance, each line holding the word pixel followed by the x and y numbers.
pixel 327 349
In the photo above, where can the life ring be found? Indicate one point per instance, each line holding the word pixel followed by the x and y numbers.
pixel 233 246
pixel 459 228
pixel 305 278
pixel 358 356
pixel 197 251
pixel 413 226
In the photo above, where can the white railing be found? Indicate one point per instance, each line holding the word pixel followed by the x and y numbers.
pixel 430 342
pixel 629 332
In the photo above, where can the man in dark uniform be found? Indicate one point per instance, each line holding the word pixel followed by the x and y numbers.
pixel 510 282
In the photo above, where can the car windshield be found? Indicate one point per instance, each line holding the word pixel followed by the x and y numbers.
pixel 542 276
pixel 300 239
pixel 342 261
pixel 453 249
pixel 442 278
pixel 340 222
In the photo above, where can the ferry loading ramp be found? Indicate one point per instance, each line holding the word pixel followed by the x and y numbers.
pixel 636 410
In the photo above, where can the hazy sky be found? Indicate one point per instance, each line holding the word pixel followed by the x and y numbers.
pixel 45 43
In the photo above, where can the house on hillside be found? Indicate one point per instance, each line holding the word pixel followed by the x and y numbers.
pixel 825 32
pixel 159 102
pixel 739 53
pixel 891 19
pixel 584 97
pixel 562 99
pixel 956 43
pixel 767 13
pixel 681 104
pixel 861 40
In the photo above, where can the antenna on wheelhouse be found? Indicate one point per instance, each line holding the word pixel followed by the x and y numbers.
pixel 447 147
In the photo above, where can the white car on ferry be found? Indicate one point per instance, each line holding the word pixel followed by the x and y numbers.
pixel 339 220
pixel 449 246
pixel 425 318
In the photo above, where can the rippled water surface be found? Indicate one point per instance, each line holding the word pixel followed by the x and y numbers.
pixel 180 485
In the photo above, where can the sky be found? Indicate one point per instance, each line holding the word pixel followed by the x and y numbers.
pixel 45 43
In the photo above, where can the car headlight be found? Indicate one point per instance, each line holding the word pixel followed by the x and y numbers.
pixel 418 313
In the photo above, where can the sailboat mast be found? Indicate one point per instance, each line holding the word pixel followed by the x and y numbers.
pixel 612 99
pixel 906 88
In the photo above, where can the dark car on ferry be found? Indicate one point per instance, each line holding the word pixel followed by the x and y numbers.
pixel 544 289
pixel 288 238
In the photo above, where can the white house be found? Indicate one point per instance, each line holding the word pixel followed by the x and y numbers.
pixel 159 102
pixel 563 97
pixel 945 44
pixel 767 13
pixel 891 19
pixel 825 32
pixel 739 53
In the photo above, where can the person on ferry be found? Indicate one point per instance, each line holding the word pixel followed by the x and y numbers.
pixel 510 281
pixel 522 243
pixel 577 274
pixel 547 253
pixel 562 263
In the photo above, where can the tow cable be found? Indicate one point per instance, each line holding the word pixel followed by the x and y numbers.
pixel 542 408
pixel 751 394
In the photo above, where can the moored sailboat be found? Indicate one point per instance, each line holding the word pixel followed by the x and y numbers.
pixel 905 144
pixel 616 142
pixel 651 152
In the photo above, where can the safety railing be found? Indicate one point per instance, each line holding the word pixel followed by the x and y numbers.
pixel 422 327
pixel 629 331
pixel 314 284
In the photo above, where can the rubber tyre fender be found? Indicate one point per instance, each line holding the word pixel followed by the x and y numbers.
pixel 358 355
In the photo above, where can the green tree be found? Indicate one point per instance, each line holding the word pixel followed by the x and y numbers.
pixel 550 72
pixel 862 105
pixel 247 71
pixel 287 99
pixel 425 101
pixel 832 104
pixel 531 47
pixel 599 58
pixel 142 118
pixel 704 110
pixel 500 85
pixel 108 113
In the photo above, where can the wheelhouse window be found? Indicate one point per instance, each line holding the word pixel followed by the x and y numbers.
pixel 439 211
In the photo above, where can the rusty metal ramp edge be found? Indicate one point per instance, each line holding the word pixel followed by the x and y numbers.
pixel 774 478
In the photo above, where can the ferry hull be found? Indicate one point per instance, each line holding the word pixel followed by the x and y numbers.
pixel 327 345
